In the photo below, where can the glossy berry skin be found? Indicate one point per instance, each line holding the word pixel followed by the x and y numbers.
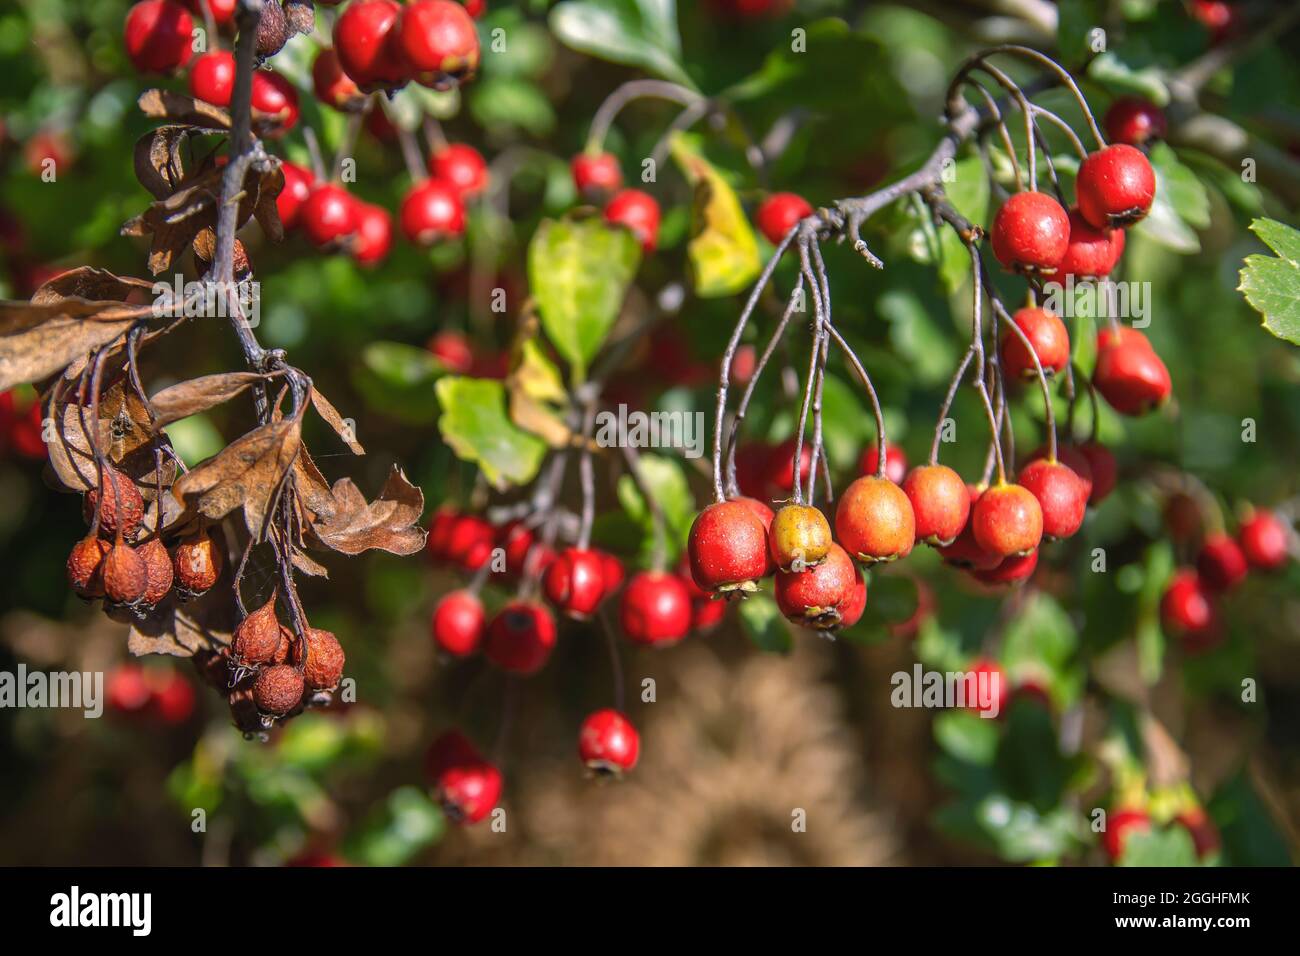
pixel 1221 563
pixel 608 743
pixel 761 511
pixel 779 213
pixel 895 462
pixel 1031 233
pixel 966 552
pixel 1188 613
pixel 374 235
pixel 1103 469
pixel 1062 495
pixel 458 623
pixel 1007 520
pixel 1115 186
pixel 467 785
pixel 1134 121
pixel 1047 339
pixel 1091 253
pixel 212 77
pixel 940 503
pixel 575 582
pixel 298 183
pixel 1130 375
pixel 611 568
pixel 1009 571
pixel 1119 825
pixel 996 687
pixel 596 174
pixel 158 36
pixel 1264 540
pixel 366 40
pixel 520 638
pixel 332 85
pixel 728 548
pixel 432 211
pixel 462 166
pixel 223 11
pixel 656 609
pixel 1072 458
pixel 778 467
pixel 853 606
pixel 328 215
pixel 439 40
pixel 637 211
pixel 275 96
pixel 453 351
pixel 812 597
pixel 874 520
pixel 799 536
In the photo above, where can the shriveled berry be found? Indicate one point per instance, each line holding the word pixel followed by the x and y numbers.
pixel 1115 186
pixel 575 582
pixel 520 638
pixel 1220 563
pixel 126 579
pixel 1264 540
pixel 325 659
pixel 874 520
pixel 812 598
pixel 728 548
pixel 1031 233
pixel 1046 337
pixel 1062 495
pixel 158 570
pixel 940 503
pixel 123 507
pixel 197 563
pixel 258 637
pixel 608 744
pixel 800 537
pixel 1007 520
pixel 86 566
pixel 458 623
pixel 278 690
pixel 655 609
pixel 272 29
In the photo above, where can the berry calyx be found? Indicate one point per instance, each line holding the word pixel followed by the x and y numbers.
pixel 575 582
pixel 1062 495
pixel 1188 613
pixel 520 638
pixel 596 174
pixel 656 609
pixel 940 503
pixel 439 41
pixel 778 214
pixel 608 744
pixel 895 462
pixel 1129 374
pixel 328 215
pixel 332 85
pixel 1115 186
pixel 374 235
pixel 1264 540
pixel 196 564
pixel 158 36
pixel 874 520
pixel 1091 253
pixel 432 211
pixel 458 623
pixel 1120 825
pixel 637 211
pixel 298 183
pixel 366 40
pixel 212 77
pixel 1221 563
pixel 277 690
pixel 728 548
pixel 1031 233
pixel 1047 339
pixel 122 508
pixel 812 598
pixel 1135 121
pixel 800 537
pixel 462 166
pixel 1007 520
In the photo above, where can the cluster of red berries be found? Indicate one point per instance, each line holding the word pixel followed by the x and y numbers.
pixel 155 693
pixel 1189 607
pixel 597 177
pixel 1123 822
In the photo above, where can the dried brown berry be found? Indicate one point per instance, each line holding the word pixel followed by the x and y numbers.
pixel 272 29
pixel 86 567
pixel 123 507
pixel 125 577
pixel 278 690
pixel 158 570
pixel 257 637
pixel 325 659
pixel 285 648
pixel 197 563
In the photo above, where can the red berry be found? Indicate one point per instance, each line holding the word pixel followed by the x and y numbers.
pixel 596 174
pixel 366 39
pixel 1119 825
pixel 520 638
pixel 462 166
pixel 476 8
pixel 1134 120
pixel 126 689
pixel 1072 458
pixel 275 96
pixel 458 623
pixel 1013 570
pixel 812 597
pixel 212 78
pixel 895 462
pixel 173 699
pixel 374 235
pixel 439 41
pixel 298 182
pixel 467 784
pixel 706 613
pixel 1264 540
pixel 608 743
pixel 1031 233
pixel 158 36
pixel 1115 186
pixel 1047 338
pixel 1188 612
pixel 853 606
pixel 992 696
pixel 328 215
pixel 1205 835
pixel 440 527
pixel 1007 520
pixel 453 351
pixel 656 608
pixel 332 86
pixel 728 548
pixel 612 571
pixel 874 520
pixel 1221 563
pixel 575 582
pixel 966 552
pixel 940 503
pixel 1130 375
pixel 1092 253
pixel 1102 466
pixel 432 211
pixel 223 11
pixel 779 213
pixel 778 469
pixel 762 511
pixel 1062 495
pixel 637 211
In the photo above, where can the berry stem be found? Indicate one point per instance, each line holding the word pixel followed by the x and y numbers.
pixel 625 94
pixel 415 166
pixel 659 556
pixel 615 658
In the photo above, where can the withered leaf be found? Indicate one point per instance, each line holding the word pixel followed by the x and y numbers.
pixel 159 165
pixel 343 429
pixel 183 629
pixel 32 354
pixel 388 523
pixel 124 434
pixel 169 105
pixel 199 394
pixel 307 565
pixel 94 286
pixel 301 15
pixel 314 493
pixel 266 212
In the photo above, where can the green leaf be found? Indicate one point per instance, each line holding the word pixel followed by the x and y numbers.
pixel 397 379
pixel 640 33
pixel 967 736
pixel 1182 204
pixel 579 271
pixel 967 188
pixel 722 249
pixel 475 424
pixel 919 340
pixel 762 621
pixel 507 102
pixel 1272 285
pixel 406 823
pixel 666 481
pixel 1110 71
pixel 1158 565
pixel 1171 846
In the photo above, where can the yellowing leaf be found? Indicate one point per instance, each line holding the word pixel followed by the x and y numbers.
pixel 722 249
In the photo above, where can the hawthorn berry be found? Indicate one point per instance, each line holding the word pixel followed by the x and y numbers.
pixel 940 503
pixel 994 678
pixel 1102 468
pixel 432 211
pixel 212 77
pixel 706 612
pixel 595 174
pixel 465 782
pixel 637 211
pixel 123 506
pixel 1188 613
pixel 778 467
pixel 813 597
pixel 1221 563
pixel 374 236
pixel 1062 495
pixel 196 563
pixel 298 183
pixel 520 638
pixel 332 85
pixel 608 744
pixel 258 637
pixel 852 607
pixel 1031 233
pixel 1129 374
pixel 126 579
pixel 656 609
pixel 462 166
pixel 328 215
pixel 1047 339
pixel 86 566
pixel 323 667
pixel 272 30
pixel 278 689
pixel 611 569
pixel 895 462
pixel 575 582
pixel 172 699
pixel 1115 186
pixel 1007 520
pixel 126 690
pixel 874 520
pixel 778 214
pixel 157 571
pixel 800 536
pixel 1120 825
pixel 453 351
pixel 728 548
pixel 1134 120
pixel 1072 458
pixel 158 36
pixel 1013 570
pixel 276 97
pixel 760 509
pixel 222 11
pixel 1264 540
pixel 1204 834
pixel 458 623
pixel 366 40
pixel 1091 253
pixel 439 41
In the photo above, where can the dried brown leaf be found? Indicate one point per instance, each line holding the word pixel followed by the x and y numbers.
pixel 342 428
pixel 387 524
pixel 94 285
pixel 183 629
pixel 124 434
pixel 159 165
pixel 34 354
pixel 199 394
pixel 182 109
